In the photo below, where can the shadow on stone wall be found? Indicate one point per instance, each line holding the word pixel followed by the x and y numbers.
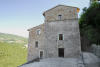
pixel 85 44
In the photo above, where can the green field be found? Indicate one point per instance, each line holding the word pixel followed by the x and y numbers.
pixel 12 55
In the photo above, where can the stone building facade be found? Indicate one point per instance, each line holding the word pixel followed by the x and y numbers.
pixel 59 36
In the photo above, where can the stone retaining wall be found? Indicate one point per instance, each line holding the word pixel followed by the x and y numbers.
pixel 95 49
pixel 31 61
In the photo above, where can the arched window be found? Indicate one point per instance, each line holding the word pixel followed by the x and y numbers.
pixel 38 31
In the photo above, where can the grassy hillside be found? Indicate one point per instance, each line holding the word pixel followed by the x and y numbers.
pixel 13 39
pixel 12 55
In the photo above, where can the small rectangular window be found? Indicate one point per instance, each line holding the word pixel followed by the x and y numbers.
pixel 59 17
pixel 60 36
pixel 36 44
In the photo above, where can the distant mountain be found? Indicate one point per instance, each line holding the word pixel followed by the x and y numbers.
pixel 13 39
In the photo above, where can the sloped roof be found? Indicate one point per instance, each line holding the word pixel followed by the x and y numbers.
pixel 61 5
pixel 36 26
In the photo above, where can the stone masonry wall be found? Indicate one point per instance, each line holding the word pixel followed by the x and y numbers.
pixel 33 37
pixel 71 42
pixel 66 11
pixel 95 49
pixel 48 39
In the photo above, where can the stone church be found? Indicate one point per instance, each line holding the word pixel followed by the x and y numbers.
pixel 58 36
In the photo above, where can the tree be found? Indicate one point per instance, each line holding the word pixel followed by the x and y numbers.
pixel 91 1
pixel 90 22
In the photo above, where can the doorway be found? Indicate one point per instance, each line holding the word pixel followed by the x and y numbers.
pixel 41 54
pixel 61 52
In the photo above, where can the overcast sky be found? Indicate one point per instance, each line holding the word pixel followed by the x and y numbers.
pixel 16 16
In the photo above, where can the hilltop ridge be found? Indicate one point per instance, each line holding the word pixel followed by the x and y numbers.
pixel 13 39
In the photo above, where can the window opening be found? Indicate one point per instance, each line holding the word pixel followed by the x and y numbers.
pixel 38 31
pixel 59 17
pixel 36 44
pixel 60 36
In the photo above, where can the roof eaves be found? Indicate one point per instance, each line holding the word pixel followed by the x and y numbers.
pixel 35 26
pixel 57 6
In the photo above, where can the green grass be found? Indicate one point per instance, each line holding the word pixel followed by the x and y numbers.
pixel 12 55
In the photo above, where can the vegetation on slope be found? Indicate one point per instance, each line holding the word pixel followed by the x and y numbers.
pixel 90 22
pixel 12 55
pixel 13 39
